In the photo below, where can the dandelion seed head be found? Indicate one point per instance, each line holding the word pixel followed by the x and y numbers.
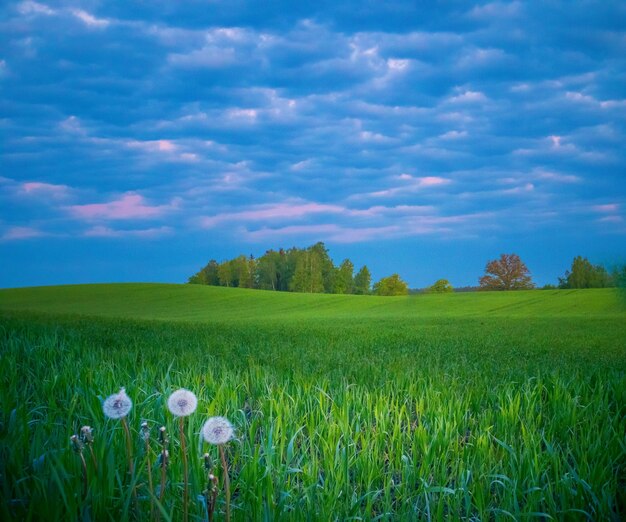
pixel 117 405
pixel 218 430
pixel 182 403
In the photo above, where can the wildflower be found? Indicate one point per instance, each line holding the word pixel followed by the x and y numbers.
pixel 182 403
pixel 86 434
pixel 217 430
pixel 145 431
pixel 77 444
pixel 118 405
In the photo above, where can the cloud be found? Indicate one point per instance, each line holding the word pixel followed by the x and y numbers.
pixel 286 211
pixel 128 206
pixel 343 121
pixel 103 231
pixel 17 233
pixel 410 184
pixel 608 207
pixel 327 232
pixel 90 20
pixel 45 189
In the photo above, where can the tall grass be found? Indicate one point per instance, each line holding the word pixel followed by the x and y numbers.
pixel 352 419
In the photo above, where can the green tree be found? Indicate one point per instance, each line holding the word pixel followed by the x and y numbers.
pixel 362 281
pixel 267 271
pixel 326 266
pixel 391 285
pixel 585 275
pixel 225 273
pixel 207 275
pixel 344 278
pixel 242 271
pixel 506 273
pixel 308 273
pixel 441 286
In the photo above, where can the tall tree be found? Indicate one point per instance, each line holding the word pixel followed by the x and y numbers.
pixel 326 266
pixel 362 281
pixel 207 275
pixel 344 278
pixel 585 275
pixel 391 285
pixel 267 270
pixel 308 274
pixel 506 273
pixel 225 273
pixel 241 272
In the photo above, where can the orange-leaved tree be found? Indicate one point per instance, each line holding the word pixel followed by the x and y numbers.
pixel 507 273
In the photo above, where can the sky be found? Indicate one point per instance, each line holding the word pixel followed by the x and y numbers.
pixel 141 139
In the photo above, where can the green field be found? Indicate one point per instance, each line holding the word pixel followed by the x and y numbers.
pixel 477 406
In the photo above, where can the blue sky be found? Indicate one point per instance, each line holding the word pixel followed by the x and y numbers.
pixel 141 139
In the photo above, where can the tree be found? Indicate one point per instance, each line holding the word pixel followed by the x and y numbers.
pixel 362 281
pixel 506 273
pixel 267 271
pixel 326 266
pixel 308 274
pixel 343 278
pixel 391 285
pixel 585 275
pixel 225 273
pixel 241 271
pixel 207 275
pixel 441 286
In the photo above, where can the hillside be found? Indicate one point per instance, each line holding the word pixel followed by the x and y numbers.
pixel 207 303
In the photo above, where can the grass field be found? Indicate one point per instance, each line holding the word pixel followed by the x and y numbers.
pixel 487 406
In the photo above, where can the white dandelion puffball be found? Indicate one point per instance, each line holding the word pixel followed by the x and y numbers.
pixel 217 430
pixel 182 403
pixel 117 405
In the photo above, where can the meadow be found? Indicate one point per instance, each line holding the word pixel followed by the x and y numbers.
pixel 478 406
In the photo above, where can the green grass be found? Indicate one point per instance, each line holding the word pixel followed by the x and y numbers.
pixel 206 303
pixel 488 406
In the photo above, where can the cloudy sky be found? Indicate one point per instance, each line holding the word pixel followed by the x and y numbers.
pixel 141 139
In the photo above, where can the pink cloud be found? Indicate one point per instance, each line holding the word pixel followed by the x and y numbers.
pixel 101 231
pixel 48 189
pixel 272 212
pixel 610 207
pixel 129 206
pixel 412 184
pixel 329 232
pixel 153 145
pixel 14 233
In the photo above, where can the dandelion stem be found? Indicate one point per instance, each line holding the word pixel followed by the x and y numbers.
pixel 150 485
pixel 93 459
pixel 84 470
pixel 226 481
pixel 131 464
pixel 183 446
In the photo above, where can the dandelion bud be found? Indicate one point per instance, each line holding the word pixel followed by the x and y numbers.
pixel 217 430
pixel 145 431
pixel 86 435
pixel 182 403
pixel 164 459
pixel 163 436
pixel 77 444
pixel 117 405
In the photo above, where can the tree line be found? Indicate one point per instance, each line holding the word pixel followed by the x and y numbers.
pixel 312 270
pixel 308 270
pixel 510 273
